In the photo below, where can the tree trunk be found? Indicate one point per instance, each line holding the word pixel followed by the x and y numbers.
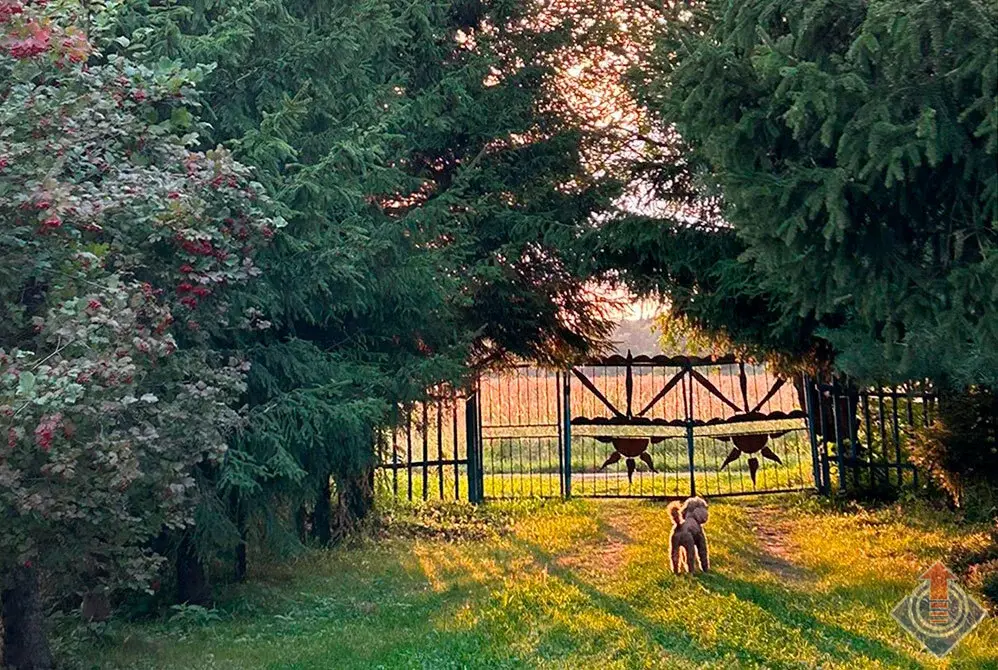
pixel 321 517
pixel 301 523
pixel 25 646
pixel 192 578
pixel 354 501
pixel 241 524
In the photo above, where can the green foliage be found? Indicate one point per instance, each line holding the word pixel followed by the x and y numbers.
pixel 433 181
pixel 853 146
pixel 959 451
pixel 117 249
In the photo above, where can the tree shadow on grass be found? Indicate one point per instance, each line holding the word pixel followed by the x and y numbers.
pixel 794 609
pixel 787 607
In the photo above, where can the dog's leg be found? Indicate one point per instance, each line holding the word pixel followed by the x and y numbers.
pixel 674 547
pixel 689 548
pixel 701 542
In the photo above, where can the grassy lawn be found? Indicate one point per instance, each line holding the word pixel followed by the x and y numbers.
pixel 580 584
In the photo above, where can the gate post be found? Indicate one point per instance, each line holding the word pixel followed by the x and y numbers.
pixel 813 435
pixel 566 432
pixel 840 459
pixel 690 444
pixel 472 427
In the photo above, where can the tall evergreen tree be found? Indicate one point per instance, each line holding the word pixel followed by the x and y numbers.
pixel 851 147
pixel 433 182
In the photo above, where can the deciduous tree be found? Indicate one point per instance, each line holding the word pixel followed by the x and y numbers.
pixel 117 247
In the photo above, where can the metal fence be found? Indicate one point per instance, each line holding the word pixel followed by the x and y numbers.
pixel 861 435
pixel 619 427
pixel 425 455
pixel 654 427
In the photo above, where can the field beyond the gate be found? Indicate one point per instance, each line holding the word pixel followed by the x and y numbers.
pixel 797 583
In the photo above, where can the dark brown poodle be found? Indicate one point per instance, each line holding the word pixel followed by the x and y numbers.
pixel 687 533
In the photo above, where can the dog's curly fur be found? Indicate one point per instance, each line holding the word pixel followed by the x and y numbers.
pixel 688 520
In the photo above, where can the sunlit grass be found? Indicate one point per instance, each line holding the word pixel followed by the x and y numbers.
pixel 580 584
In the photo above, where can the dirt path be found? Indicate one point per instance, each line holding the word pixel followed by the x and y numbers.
pixel 775 556
pixel 605 557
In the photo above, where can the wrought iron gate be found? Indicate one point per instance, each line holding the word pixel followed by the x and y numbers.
pixel 861 435
pixel 656 427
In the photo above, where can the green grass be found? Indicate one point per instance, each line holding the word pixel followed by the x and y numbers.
pixel 579 584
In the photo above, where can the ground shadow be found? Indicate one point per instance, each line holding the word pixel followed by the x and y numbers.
pixel 787 607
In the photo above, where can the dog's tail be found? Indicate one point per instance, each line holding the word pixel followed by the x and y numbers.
pixel 674 508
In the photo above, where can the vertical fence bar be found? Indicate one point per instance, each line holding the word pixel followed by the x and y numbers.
pixel 561 433
pixel 838 438
pixel 408 449
pixel 472 436
pixel 812 433
pixel 455 451
pixel 440 447
pixel 567 433
pixel 395 451
pixel 897 435
pixel 881 419
pixel 689 431
pixel 851 409
pixel 426 450
pixel 869 438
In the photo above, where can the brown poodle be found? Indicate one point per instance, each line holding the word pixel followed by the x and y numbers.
pixel 687 533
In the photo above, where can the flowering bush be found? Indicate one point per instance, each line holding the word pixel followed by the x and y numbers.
pixel 116 241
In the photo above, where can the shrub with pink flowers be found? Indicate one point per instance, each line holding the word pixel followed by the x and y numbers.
pixel 117 245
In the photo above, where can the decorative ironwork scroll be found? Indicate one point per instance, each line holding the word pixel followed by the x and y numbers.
pixel 747 436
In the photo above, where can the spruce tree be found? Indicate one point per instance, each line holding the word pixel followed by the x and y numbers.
pixel 433 182
pixel 851 149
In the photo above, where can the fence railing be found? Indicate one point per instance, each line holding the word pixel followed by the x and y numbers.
pixel 710 427
pixel 862 435
pixel 425 454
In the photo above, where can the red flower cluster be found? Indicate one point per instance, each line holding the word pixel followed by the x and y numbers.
pixel 45 431
pixel 76 47
pixel 198 247
pixel 35 43
pixel 223 179
pixel 9 9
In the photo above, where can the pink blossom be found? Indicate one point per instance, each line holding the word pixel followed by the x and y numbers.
pixel 9 8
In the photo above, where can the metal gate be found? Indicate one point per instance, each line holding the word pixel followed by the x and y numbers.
pixel 643 426
pixel 656 427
